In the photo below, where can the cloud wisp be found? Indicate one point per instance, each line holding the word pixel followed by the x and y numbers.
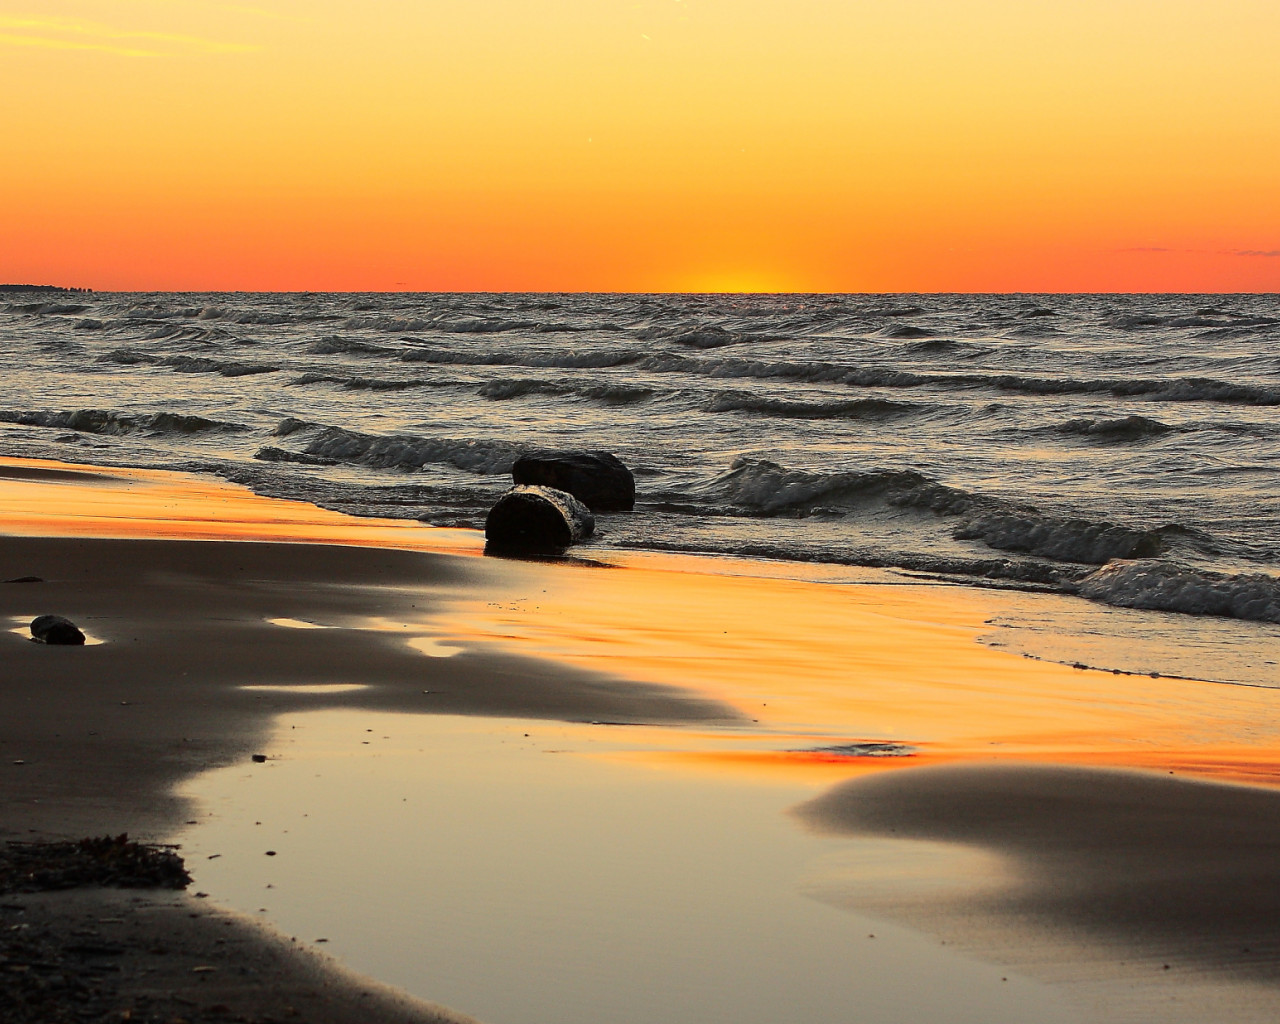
pixel 72 34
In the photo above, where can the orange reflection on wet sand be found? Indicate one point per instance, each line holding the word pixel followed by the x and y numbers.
pixel 46 498
pixel 871 662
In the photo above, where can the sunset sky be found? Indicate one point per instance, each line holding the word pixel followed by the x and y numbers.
pixel 706 145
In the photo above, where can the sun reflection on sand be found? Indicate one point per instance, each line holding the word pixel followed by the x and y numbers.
pixel 872 662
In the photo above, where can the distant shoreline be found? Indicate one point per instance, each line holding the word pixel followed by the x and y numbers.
pixel 41 288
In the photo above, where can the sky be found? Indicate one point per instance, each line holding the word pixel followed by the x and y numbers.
pixel 659 145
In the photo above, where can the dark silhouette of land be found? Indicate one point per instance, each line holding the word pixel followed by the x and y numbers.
pixel 40 288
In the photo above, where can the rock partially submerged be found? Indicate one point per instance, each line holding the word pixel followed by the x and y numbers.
pixel 54 629
pixel 536 521
pixel 597 479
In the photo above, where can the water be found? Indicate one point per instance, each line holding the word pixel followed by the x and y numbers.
pixel 515 871
pixel 1024 439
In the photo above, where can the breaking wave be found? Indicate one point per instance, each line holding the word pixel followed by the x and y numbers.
pixel 1124 428
pixel 1162 585
pixel 105 421
pixel 772 489
pixel 1062 539
pixel 406 451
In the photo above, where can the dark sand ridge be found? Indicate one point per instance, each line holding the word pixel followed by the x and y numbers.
pixel 93 740
pixel 1128 864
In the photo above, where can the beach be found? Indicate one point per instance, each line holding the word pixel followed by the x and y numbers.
pixel 879 700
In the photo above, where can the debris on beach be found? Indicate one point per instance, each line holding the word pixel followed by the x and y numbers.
pixel 54 629
pixel 537 521
pixel 116 861
pixel 868 748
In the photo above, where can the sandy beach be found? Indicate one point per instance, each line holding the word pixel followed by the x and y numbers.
pixel 1115 801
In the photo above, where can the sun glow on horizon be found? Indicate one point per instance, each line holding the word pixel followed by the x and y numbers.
pixel 704 145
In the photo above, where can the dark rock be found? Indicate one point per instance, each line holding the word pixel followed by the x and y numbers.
pixel 536 521
pixel 597 479
pixel 259 758
pixel 25 579
pixel 54 629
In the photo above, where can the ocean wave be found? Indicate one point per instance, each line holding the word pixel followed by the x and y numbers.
pixel 903 331
pixel 568 359
pixel 442 324
pixel 106 421
pixel 1006 570
pixel 128 357
pixel 891 311
pixel 337 345
pixel 187 332
pixel 1124 428
pixel 705 336
pixel 945 347
pixel 258 318
pixel 1162 585
pixel 357 383
pixel 1062 539
pixel 200 364
pixel 610 394
pixel 1211 318
pixel 269 453
pixel 1237 331
pixel 89 324
pixel 293 425
pixel 772 489
pixel 1173 389
pixel 407 451
pixel 1035 329
pixel 853 409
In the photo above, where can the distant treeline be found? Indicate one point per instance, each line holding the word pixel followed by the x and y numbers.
pixel 39 288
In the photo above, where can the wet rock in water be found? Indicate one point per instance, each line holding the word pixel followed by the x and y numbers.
pixel 54 629
pixel 25 579
pixel 536 521
pixel 597 479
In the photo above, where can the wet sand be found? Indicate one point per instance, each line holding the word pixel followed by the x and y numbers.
pixel 1179 870
pixel 762 675
pixel 95 738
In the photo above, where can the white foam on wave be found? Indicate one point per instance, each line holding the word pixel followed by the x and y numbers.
pixel 1164 585
pixel 1067 540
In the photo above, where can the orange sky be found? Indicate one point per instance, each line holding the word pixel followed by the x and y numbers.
pixel 828 145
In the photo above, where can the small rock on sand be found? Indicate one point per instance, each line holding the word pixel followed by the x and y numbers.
pixel 54 629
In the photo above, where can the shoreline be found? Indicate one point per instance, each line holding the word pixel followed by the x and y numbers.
pixel 188 624
pixel 184 627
